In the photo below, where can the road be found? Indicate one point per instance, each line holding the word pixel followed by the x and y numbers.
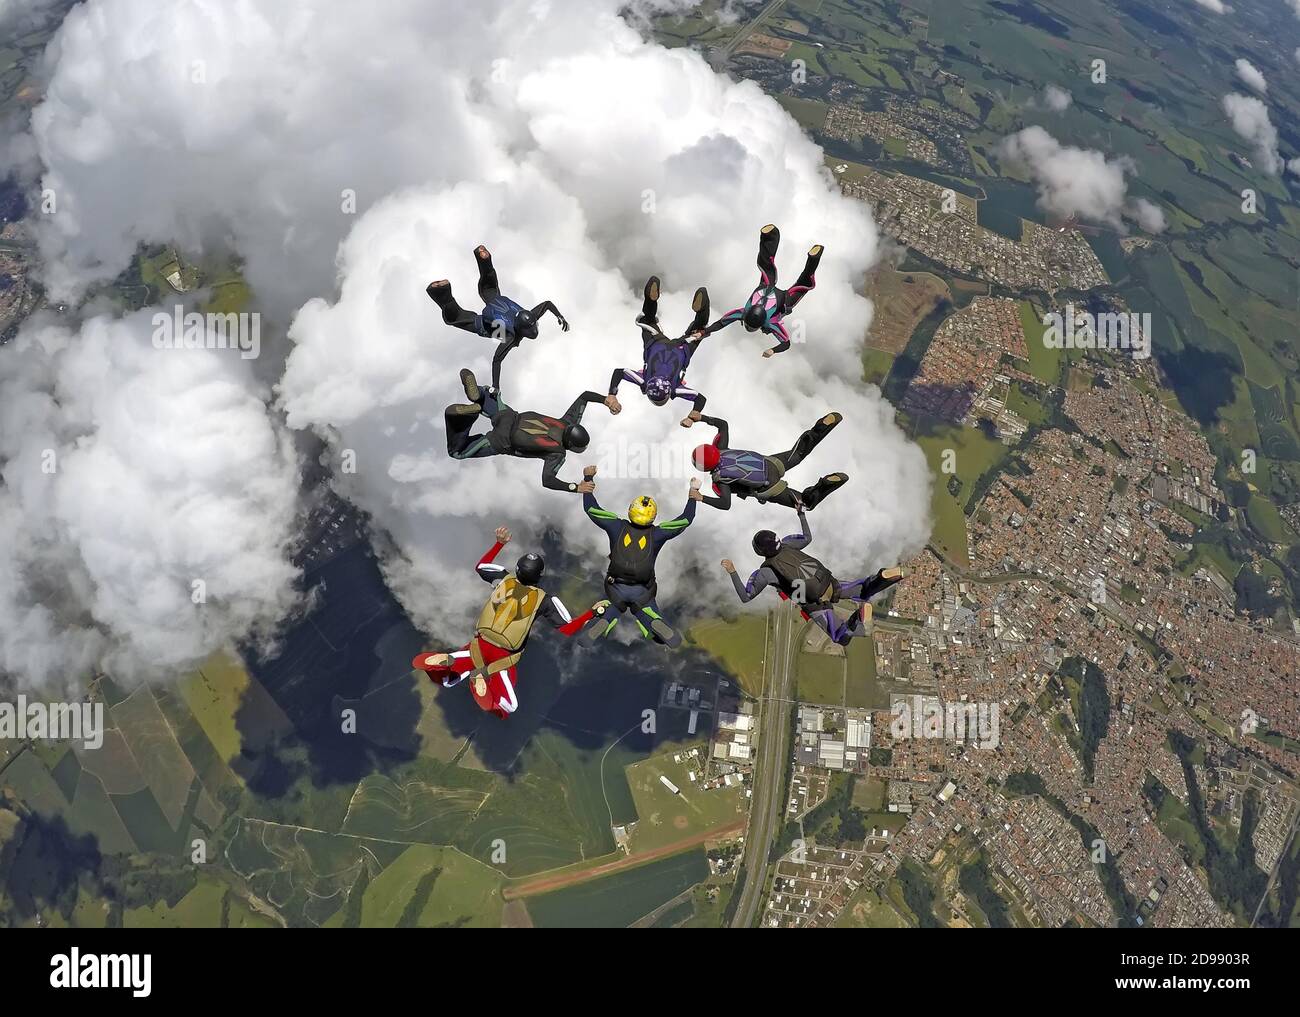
pixel 738 39
pixel 767 805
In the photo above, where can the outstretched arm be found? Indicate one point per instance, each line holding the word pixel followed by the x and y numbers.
pixel 601 517
pixel 554 611
pixel 486 567
pixel 727 319
pixel 724 432
pixel 573 415
pixel 551 467
pixel 799 540
pixel 545 306
pixel 722 500
pixel 758 582
pixel 665 532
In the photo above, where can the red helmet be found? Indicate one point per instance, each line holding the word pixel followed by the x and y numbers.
pixel 705 458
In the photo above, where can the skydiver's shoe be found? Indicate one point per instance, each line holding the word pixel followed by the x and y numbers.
pixel 427 660
pixel 830 420
pixel 482 253
pixel 463 410
pixel 598 628
pixel 700 302
pixel 865 618
pixel 815 252
pixel 895 574
pixel 652 288
pixel 439 292
pixel 769 229
pixel 662 630
pixel 470 384
pixel 815 495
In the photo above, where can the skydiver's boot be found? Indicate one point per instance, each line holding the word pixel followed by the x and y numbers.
pixel 440 293
pixel 700 305
pixel 865 620
pixel 883 580
pixel 769 239
pixel 438 667
pixel 814 259
pixel 826 425
pixel 470 384
pixel 650 301
pixel 811 496
pixel 598 628
pixel 459 418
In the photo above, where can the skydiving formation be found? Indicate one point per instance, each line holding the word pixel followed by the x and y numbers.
pixel 800 577
pixel 491 658
pixel 762 477
pixel 501 318
pixel 767 306
pixel 664 361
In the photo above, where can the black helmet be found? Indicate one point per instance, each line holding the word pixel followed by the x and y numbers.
pixel 766 543
pixel 755 317
pixel 525 325
pixel 576 438
pixel 529 568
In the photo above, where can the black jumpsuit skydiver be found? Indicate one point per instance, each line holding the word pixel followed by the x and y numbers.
pixel 630 580
pixel 526 434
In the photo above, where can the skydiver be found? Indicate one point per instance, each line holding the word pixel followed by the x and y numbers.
pixel 501 318
pixel 664 361
pixel 634 545
pixel 767 306
pixel 489 659
pixel 800 577
pixel 755 475
pixel 523 433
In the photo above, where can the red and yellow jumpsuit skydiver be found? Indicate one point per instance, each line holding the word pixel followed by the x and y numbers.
pixel 634 545
pixel 489 659
pixel 767 306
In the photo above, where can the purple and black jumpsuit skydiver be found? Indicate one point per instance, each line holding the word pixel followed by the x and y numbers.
pixel 664 361
pixel 501 318
pixel 523 433
pixel 800 577
pixel 755 475
pixel 767 306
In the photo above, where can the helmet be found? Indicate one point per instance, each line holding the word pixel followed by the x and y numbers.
pixel 575 438
pixel 705 458
pixel 525 325
pixel 755 317
pixel 642 512
pixel 659 390
pixel 529 568
pixel 766 543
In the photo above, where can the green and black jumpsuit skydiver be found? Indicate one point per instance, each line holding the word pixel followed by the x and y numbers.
pixel 630 580
pixel 662 376
pixel 800 577
pixel 755 475
pixel 526 434
pixel 767 306
pixel 501 318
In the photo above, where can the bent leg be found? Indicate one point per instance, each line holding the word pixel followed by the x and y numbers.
pixel 655 626
pixel 650 302
pixel 806 281
pixel 809 440
pixel 461 444
pixel 700 305
pixel 452 313
pixel 446 669
pixel 814 495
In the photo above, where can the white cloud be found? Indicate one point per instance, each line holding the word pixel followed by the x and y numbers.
pixel 1079 181
pixel 1251 75
pixel 1217 6
pixel 1250 120
pixel 546 152
pixel 1056 99
pixel 129 474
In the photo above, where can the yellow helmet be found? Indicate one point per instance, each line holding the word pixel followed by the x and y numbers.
pixel 642 512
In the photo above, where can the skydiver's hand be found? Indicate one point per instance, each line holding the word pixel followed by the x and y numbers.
pixel 614 405
pixel 729 566
pixel 589 472
pixel 586 487
pixel 690 418
pixel 564 322
pixel 694 493
pixel 768 353
pixel 699 333
pixel 503 535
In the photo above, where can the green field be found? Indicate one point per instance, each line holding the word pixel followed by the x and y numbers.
pixel 739 645
pixel 819 678
pixel 618 900
pixel 664 817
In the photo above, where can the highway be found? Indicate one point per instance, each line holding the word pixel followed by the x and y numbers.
pixel 738 39
pixel 767 806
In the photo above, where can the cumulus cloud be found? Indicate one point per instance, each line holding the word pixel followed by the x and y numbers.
pixel 1249 117
pixel 1217 6
pixel 129 475
pixel 1251 75
pixel 1079 181
pixel 583 155
pixel 1056 99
